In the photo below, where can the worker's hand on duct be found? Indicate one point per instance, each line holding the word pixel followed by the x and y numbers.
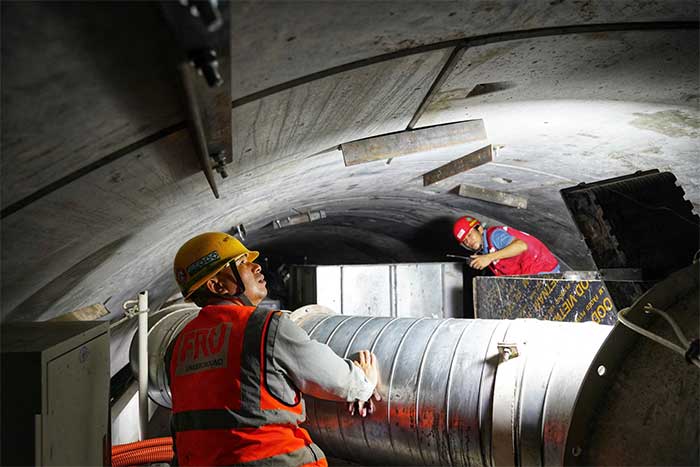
pixel 367 362
pixel 364 408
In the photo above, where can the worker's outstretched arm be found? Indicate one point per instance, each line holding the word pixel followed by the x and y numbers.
pixel 516 247
pixel 314 368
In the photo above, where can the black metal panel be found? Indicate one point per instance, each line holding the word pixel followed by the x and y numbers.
pixel 548 297
pixel 637 221
pixel 19 402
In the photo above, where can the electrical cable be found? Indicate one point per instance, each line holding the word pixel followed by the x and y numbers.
pixel 658 339
pixel 648 308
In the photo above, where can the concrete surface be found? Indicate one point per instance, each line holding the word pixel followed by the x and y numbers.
pixel 79 80
pixel 88 83
pixel 365 29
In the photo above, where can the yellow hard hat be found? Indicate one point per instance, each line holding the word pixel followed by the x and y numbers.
pixel 203 256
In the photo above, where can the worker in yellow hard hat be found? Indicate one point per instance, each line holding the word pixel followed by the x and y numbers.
pixel 203 270
pixel 237 372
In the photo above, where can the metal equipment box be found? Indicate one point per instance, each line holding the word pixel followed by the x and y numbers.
pixel 401 290
pixel 55 393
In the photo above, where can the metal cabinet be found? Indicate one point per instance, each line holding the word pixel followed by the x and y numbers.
pixel 55 393
pixel 400 290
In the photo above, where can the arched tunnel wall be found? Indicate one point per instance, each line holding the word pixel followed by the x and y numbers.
pixel 101 184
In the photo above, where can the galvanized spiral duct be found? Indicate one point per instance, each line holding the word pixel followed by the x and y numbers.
pixel 163 328
pixel 456 392
pixel 450 394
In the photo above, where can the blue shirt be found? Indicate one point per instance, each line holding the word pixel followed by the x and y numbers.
pixel 500 239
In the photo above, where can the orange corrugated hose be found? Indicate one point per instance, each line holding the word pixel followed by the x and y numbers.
pixel 146 443
pixel 143 452
pixel 143 456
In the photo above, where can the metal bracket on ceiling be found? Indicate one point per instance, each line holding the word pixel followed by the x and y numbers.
pixel 202 28
pixel 301 218
pixel 240 232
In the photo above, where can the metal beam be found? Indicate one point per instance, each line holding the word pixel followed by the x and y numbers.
pixel 197 125
pixel 412 141
pixel 202 31
pixel 83 171
pixel 471 160
pixel 492 196
pixel 450 63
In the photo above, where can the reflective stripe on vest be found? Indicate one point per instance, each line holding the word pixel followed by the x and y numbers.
pixel 310 455
pixel 227 395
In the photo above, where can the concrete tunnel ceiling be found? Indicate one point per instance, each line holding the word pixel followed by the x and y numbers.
pixel 101 184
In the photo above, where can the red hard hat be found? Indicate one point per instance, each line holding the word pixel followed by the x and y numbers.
pixel 463 226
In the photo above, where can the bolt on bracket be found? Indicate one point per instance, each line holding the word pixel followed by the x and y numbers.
pixel 507 351
pixel 220 163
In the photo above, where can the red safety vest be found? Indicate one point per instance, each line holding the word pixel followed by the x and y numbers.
pixel 537 259
pixel 223 412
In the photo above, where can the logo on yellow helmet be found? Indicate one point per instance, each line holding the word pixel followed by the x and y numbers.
pixel 202 262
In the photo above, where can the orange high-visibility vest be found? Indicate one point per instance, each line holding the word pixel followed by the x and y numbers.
pixel 223 412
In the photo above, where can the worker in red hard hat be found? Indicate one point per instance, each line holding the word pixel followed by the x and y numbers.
pixel 504 250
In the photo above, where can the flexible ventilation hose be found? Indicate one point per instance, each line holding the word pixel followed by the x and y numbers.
pixel 146 443
pixel 143 452
pixel 144 456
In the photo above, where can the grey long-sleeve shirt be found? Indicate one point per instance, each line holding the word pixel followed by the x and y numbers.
pixel 311 367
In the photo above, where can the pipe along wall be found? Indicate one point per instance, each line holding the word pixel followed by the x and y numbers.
pixel 449 397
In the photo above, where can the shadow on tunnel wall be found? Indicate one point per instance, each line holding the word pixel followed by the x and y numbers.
pixel 127 43
pixel 41 305
pixel 435 240
pixel 327 242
